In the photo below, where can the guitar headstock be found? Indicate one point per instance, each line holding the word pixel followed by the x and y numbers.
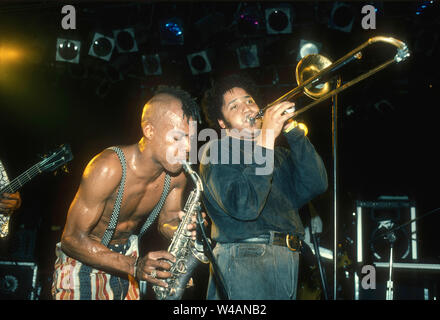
pixel 56 158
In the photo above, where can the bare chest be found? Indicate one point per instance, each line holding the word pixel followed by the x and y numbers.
pixel 138 201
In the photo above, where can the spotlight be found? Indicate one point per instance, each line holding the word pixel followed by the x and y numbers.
pixel 308 47
pixel 102 47
pixel 341 17
pixel 68 50
pixel 151 64
pixel 125 40
pixel 248 57
pixel 171 32
pixel 249 20
pixel 199 62
pixel 421 6
pixel 278 21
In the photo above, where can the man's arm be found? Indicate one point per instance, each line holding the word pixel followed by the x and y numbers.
pixel 237 190
pixel 309 176
pixel 100 180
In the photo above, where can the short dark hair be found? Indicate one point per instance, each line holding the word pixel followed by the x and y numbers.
pixel 189 105
pixel 213 99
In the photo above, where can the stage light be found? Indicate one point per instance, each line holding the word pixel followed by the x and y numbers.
pixel 307 47
pixel 422 6
pixel 125 40
pixel 341 17
pixel 9 54
pixel 68 50
pixel 151 64
pixel 278 21
pixel 248 57
pixel 171 32
pixel 249 20
pixel 102 47
pixel 199 62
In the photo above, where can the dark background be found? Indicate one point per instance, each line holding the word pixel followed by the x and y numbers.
pixel 387 124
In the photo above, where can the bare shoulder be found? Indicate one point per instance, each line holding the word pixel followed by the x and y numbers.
pixel 104 171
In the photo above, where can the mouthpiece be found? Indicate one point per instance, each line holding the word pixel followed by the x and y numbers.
pixel 260 114
pixel 187 167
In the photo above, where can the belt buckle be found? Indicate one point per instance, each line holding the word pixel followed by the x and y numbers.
pixel 288 239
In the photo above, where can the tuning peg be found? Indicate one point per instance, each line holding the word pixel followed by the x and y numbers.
pixel 63 169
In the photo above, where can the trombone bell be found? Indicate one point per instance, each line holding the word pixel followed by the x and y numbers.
pixel 310 66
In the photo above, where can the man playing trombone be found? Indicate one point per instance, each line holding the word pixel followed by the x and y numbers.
pixel 254 213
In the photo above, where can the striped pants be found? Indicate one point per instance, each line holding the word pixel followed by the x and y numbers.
pixel 73 280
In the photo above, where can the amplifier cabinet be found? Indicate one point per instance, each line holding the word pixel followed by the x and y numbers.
pixel 18 280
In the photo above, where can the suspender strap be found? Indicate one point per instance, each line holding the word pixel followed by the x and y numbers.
pixel 159 205
pixel 117 207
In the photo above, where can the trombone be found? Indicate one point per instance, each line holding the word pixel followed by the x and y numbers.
pixel 311 70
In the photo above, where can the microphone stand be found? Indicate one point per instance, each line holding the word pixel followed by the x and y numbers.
pixel 391 237
pixel 403 225
pixel 218 277
pixel 204 239
pixel 321 269
pixel 335 185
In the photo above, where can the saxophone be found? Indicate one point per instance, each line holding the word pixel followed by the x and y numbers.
pixel 188 253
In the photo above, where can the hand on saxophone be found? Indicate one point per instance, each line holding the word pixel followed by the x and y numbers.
pixel 192 227
pixel 153 267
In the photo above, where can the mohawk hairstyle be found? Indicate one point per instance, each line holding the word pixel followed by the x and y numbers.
pixel 213 99
pixel 189 105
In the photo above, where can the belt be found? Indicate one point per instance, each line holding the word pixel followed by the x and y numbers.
pixel 278 239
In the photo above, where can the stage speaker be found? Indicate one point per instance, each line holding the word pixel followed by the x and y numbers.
pixel 373 221
pixel 384 227
pixel 18 280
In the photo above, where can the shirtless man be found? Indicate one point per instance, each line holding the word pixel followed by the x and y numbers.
pixel 87 269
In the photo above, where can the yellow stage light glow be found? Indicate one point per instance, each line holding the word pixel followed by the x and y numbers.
pixel 10 54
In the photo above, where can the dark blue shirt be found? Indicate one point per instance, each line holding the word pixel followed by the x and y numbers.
pixel 244 204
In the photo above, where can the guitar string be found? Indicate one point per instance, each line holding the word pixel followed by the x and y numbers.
pixel 34 171
pixel 17 182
